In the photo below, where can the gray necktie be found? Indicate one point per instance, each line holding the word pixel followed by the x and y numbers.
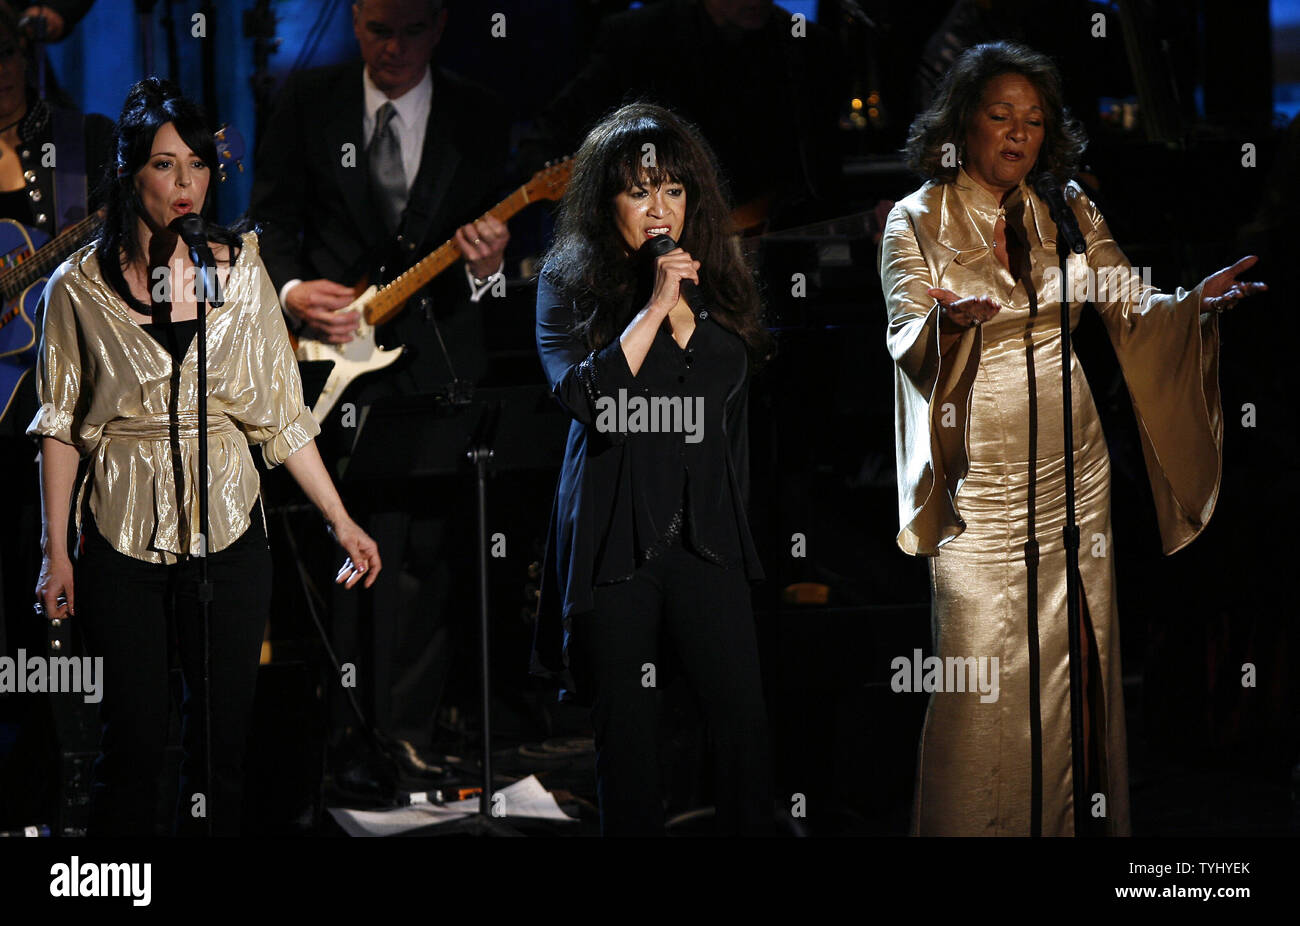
pixel 386 167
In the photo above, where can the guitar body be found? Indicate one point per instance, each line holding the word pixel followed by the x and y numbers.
pixel 18 335
pixel 356 358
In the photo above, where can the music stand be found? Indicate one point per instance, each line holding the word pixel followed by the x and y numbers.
pixel 428 436
pixel 314 373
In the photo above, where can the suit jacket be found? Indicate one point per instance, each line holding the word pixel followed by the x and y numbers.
pixel 312 197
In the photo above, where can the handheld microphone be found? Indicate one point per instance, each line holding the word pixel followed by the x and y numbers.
pixel 660 245
pixel 1067 225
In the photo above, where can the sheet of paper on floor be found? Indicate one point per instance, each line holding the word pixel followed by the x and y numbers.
pixel 524 798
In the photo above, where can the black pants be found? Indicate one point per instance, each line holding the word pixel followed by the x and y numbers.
pixel 707 613
pixel 126 607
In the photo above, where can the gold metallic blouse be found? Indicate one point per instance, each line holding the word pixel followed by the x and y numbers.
pixel 105 386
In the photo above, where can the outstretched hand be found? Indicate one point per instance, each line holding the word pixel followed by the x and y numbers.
pixel 363 554
pixel 968 312
pixel 1223 290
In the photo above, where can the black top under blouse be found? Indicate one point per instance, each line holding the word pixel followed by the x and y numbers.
pixel 174 337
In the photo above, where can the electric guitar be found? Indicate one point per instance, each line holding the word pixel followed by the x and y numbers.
pixel 378 304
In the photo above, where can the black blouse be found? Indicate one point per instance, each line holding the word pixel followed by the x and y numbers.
pixel 648 456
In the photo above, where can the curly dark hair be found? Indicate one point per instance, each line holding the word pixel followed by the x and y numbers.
pixel 150 104
pixel 589 257
pixel 958 97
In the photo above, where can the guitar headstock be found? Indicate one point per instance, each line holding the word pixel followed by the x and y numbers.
pixel 230 148
pixel 550 181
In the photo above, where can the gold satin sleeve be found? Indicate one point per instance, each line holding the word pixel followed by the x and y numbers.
pixel 1169 353
pixel 933 378
pixel 58 372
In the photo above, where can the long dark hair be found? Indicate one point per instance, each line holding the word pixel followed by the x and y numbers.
pixel 151 104
pixel 957 100
pixel 588 257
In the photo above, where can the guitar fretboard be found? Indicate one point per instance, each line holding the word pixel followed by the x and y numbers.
pixel 388 301
pixel 46 258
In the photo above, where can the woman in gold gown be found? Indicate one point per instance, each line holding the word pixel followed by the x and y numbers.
pixel 968 266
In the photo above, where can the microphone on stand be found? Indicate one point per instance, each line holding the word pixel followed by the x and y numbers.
pixel 192 229
pixel 1049 191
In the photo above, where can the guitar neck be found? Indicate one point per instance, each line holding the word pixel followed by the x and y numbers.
pixel 388 301
pixel 46 258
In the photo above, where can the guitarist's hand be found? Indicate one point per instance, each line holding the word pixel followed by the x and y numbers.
pixel 483 242
pixel 316 304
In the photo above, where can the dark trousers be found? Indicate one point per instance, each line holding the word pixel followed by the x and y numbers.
pixel 126 607
pixel 707 613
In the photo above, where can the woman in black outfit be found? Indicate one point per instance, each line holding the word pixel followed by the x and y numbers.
pixel 648 529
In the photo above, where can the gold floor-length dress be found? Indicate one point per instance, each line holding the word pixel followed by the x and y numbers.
pixel 962 418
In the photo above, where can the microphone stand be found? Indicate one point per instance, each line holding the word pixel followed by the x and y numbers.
pixel 1070 240
pixel 206 289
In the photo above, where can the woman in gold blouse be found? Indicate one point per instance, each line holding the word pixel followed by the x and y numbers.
pixel 968 267
pixel 117 380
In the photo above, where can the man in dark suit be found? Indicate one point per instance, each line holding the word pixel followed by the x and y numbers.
pixel 359 162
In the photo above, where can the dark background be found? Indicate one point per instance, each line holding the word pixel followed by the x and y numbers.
pixel 1206 754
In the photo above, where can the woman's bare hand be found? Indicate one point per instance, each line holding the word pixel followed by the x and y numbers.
pixel 670 270
pixel 1223 290
pixel 963 312
pixel 54 591
pixel 363 554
